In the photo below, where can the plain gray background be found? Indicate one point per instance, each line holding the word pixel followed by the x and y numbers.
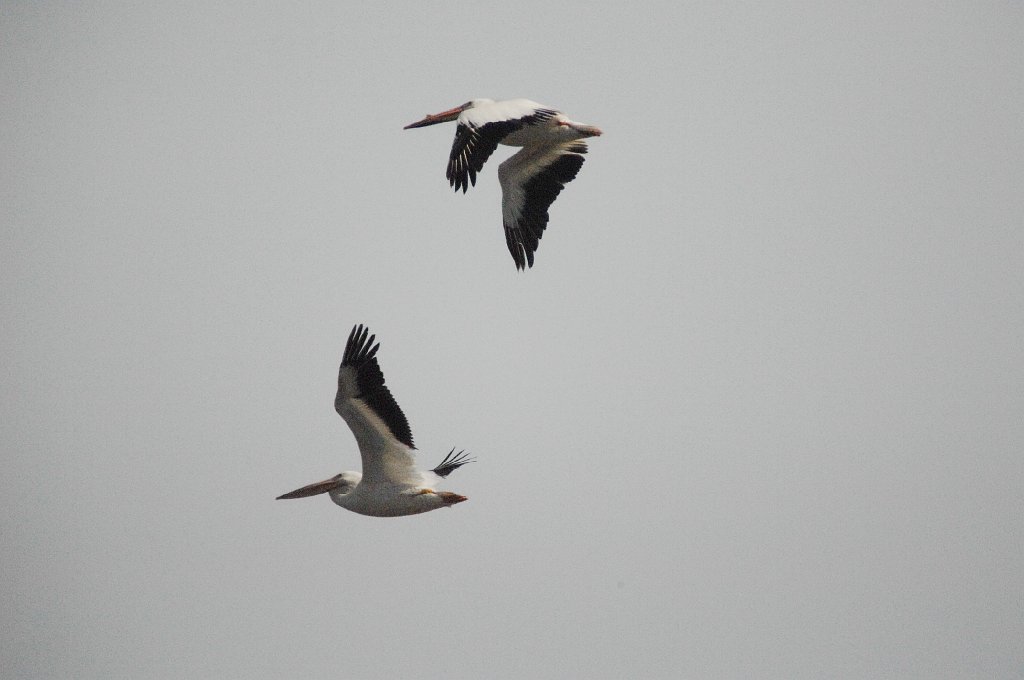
pixel 755 412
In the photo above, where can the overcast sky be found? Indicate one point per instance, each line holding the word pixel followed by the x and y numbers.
pixel 756 412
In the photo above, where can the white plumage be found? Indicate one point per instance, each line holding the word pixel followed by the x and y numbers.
pixel 390 485
pixel 531 179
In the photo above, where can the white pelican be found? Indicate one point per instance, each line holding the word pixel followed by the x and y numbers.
pixel 390 485
pixel 531 179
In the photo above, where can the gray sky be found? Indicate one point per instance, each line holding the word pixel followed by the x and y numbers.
pixel 755 412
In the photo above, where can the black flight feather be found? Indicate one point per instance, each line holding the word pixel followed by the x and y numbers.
pixel 453 461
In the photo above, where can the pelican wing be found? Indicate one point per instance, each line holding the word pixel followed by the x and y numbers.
pixel 479 132
pixel 373 415
pixel 530 182
pixel 452 462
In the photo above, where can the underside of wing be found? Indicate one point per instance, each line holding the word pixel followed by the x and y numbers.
pixel 530 182
pixel 371 412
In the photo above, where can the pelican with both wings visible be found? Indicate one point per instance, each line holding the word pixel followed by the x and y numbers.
pixel 532 178
pixel 390 485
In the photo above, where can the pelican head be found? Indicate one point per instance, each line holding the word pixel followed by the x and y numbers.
pixel 450 114
pixel 338 485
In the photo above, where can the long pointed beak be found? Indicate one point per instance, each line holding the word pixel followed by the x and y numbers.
pixel 435 118
pixel 313 489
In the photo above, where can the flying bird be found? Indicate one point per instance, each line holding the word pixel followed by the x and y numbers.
pixel 390 485
pixel 531 179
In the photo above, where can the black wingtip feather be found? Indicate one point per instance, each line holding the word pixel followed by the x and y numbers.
pixel 453 461
pixel 514 241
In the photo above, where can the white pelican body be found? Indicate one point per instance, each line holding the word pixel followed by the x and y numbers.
pixel 390 485
pixel 531 179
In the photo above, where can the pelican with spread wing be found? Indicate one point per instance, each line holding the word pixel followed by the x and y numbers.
pixel 551 155
pixel 390 485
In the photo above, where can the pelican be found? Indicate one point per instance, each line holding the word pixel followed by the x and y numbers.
pixel 531 179
pixel 390 485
